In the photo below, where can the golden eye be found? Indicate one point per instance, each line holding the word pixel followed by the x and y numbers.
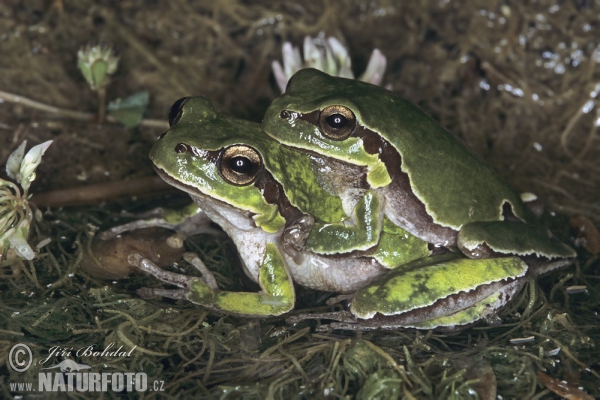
pixel 337 122
pixel 176 110
pixel 239 164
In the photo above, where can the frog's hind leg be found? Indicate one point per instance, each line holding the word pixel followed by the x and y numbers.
pixel 438 286
pixel 503 238
pixel 485 309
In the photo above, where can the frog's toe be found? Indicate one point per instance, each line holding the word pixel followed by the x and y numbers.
pixel 143 264
pixel 296 233
pixel 207 276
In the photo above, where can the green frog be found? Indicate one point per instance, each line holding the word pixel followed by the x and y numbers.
pixel 325 222
pixel 427 182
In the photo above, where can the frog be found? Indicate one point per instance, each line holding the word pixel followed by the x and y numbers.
pixel 267 198
pixel 254 188
pixel 427 182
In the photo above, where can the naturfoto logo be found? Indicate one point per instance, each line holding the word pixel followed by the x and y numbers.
pixel 70 376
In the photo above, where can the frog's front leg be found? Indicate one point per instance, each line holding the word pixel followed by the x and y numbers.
pixel 187 221
pixel 361 234
pixel 277 295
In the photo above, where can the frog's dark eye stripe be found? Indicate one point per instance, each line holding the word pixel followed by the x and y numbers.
pixel 176 110
pixel 337 122
pixel 239 164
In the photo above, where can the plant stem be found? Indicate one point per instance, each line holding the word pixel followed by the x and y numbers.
pixel 96 193
pixel 101 104
pixel 73 114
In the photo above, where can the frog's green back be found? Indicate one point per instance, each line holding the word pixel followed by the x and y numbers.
pixel 454 185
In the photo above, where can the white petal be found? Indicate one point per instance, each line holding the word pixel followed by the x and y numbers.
pixel 280 76
pixel 313 57
pixel 20 246
pixel 292 61
pixel 13 164
pixel 30 163
pixel 330 62
pixel 375 68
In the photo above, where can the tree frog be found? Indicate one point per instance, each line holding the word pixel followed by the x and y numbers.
pixel 428 182
pixel 324 222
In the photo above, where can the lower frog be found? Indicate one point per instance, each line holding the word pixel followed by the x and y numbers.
pixel 269 200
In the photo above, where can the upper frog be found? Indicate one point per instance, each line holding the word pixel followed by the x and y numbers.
pixel 430 184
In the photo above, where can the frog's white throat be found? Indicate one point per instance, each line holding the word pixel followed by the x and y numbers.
pixel 249 239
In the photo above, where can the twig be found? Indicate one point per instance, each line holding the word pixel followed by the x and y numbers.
pixel 100 192
pixel 73 114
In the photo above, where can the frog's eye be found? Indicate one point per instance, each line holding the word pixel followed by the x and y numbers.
pixel 176 110
pixel 239 164
pixel 337 122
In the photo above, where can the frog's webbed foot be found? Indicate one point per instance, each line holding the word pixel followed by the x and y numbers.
pixel 207 275
pixel 295 235
pixel 276 297
pixel 152 218
pixel 342 319
pixel 183 281
pixel 533 243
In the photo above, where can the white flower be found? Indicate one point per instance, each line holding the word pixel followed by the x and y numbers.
pixel 328 55
pixel 15 212
pixel 97 63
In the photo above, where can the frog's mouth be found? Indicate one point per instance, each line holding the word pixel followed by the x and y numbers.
pixel 198 195
pixel 176 183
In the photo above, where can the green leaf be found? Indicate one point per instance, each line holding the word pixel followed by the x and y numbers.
pixel 129 111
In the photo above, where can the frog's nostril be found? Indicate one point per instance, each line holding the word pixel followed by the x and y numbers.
pixel 285 114
pixel 181 148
